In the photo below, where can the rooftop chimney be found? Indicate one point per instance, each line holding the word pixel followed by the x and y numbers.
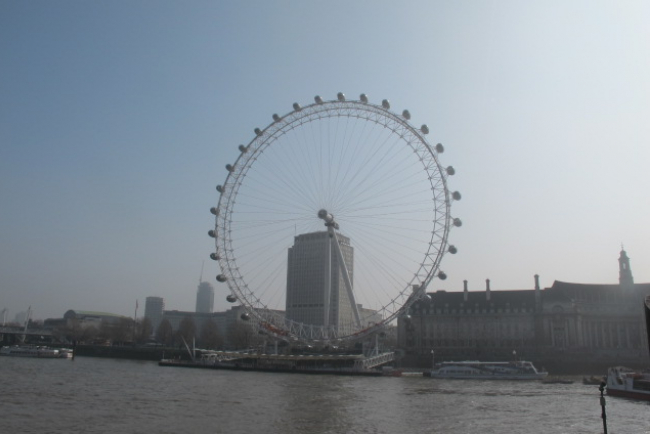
pixel 487 289
pixel 465 290
pixel 538 295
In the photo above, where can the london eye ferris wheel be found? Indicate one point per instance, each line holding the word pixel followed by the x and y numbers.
pixel 365 187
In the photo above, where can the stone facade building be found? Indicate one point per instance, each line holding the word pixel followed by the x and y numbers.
pixel 566 323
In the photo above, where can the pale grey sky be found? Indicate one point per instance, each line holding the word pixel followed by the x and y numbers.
pixel 117 118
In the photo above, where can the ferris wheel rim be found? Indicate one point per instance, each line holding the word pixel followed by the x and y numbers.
pixel 263 139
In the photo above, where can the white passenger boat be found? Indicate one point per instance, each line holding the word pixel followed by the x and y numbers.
pixel 475 370
pixel 628 383
pixel 36 351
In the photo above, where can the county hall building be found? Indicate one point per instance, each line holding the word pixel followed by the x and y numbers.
pixel 568 323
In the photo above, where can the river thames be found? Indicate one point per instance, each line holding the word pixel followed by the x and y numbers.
pixel 94 395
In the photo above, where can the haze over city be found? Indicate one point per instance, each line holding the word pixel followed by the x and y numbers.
pixel 117 119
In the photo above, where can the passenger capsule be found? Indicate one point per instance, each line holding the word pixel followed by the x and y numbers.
pixel 318 99
pixel 296 107
pixel 245 316
pixel 451 171
pixel 230 168
pixel 442 275
pixel 231 298
pixel 340 96
pixel 214 256
pixel 258 131
pixel 276 117
pixel 406 114
pixel 439 148
pixel 219 188
pixel 385 104
pixel 211 233
pixel 424 129
pixel 221 278
pixel 455 195
pixel 214 210
pixel 452 249
pixel 243 149
pixel 457 222
pixel 364 98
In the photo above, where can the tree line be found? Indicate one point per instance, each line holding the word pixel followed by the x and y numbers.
pixel 126 331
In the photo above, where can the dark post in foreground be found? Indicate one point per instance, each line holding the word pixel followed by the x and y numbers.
pixel 602 404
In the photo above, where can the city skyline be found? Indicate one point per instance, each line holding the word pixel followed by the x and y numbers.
pixel 157 304
pixel 116 123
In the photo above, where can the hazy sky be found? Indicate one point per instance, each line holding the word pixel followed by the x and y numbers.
pixel 117 118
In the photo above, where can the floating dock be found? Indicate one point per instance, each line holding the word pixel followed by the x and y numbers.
pixel 324 364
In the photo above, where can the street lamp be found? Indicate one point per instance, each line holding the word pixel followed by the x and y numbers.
pixel 602 405
pixel 433 360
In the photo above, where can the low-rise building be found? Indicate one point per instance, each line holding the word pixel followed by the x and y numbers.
pixel 85 318
pixel 229 324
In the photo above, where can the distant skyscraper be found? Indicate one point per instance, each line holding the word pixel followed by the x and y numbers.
pixel 306 282
pixel 153 309
pixel 205 298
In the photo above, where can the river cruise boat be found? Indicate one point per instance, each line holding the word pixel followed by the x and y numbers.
pixel 475 370
pixel 628 383
pixel 36 351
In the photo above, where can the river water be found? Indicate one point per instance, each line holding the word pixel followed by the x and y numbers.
pixel 94 395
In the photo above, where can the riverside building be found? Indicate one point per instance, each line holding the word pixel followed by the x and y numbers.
pixel 577 322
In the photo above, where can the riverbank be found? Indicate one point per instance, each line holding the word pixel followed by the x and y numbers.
pixel 134 352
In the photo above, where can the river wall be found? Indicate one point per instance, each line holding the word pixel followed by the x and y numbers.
pixel 129 352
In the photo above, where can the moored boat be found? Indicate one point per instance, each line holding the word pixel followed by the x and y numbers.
pixel 36 351
pixel 593 380
pixel 628 383
pixel 475 370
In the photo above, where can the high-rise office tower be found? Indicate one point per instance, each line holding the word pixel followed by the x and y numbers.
pixel 153 309
pixel 308 288
pixel 205 298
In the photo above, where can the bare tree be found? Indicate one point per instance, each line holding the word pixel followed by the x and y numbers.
pixel 242 335
pixel 165 333
pixel 118 332
pixel 210 337
pixel 74 331
pixel 145 330
pixel 187 329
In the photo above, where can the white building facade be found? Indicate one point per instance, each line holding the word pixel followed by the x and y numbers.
pixel 311 296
